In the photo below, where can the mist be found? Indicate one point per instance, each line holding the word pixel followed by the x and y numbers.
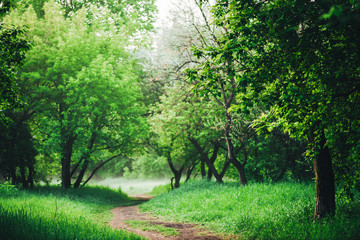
pixel 131 186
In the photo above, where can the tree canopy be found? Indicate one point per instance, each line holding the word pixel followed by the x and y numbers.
pixel 248 90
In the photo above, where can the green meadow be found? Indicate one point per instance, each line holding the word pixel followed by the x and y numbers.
pixel 257 211
pixel 54 213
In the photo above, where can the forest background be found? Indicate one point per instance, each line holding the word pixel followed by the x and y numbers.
pixel 252 91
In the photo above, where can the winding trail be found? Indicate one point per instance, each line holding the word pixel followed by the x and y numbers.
pixel 186 231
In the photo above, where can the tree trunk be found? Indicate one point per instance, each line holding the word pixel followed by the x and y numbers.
pixel 240 167
pixel 86 157
pixel 241 171
pixel 177 179
pixel 230 147
pixel 65 164
pixel 177 173
pixel 23 180
pixel 66 147
pixel 31 175
pixel 212 159
pixel 325 183
pixel 81 174
pixel 202 167
pixel 13 175
pixel 205 158
pixel 189 171
pixel 226 166
pixel 209 174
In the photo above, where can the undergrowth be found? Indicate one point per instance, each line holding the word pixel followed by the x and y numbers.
pixel 54 213
pixel 257 211
pixel 157 190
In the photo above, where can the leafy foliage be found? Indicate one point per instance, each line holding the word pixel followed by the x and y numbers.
pixel 13 47
pixel 82 84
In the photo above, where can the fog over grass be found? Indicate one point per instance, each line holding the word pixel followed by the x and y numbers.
pixel 131 186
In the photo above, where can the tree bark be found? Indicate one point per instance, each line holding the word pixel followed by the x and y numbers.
pixel 228 121
pixel 189 171
pixel 177 173
pixel 86 157
pixel 66 146
pixel 213 158
pixel 81 174
pixel 325 183
pixel 241 171
pixel 65 164
pixel 202 168
pixel 177 176
pixel 240 167
pixel 205 158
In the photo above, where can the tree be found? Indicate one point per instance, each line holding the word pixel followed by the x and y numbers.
pixel 297 61
pixel 135 18
pixel 189 26
pixel 218 76
pixel 82 85
pixel 13 47
pixel 17 151
pixel 17 154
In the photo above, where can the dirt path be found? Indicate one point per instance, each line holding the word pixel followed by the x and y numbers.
pixel 186 231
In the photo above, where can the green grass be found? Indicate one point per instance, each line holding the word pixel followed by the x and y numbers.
pixel 257 211
pixel 147 226
pixel 160 189
pixel 54 213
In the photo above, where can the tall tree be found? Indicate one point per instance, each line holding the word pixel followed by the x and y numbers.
pixel 307 69
pixel 82 83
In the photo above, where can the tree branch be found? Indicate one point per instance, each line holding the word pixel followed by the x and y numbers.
pixel 98 167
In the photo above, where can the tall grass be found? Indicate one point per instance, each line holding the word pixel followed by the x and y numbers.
pixel 257 211
pixel 54 213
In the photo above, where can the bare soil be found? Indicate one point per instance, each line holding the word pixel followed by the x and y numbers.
pixel 187 231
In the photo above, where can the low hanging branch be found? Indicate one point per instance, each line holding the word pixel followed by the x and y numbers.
pixel 98 167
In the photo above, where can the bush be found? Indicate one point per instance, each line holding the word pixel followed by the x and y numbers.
pixel 8 190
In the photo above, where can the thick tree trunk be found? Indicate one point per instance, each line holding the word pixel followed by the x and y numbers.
pixel 325 183
pixel 177 179
pixel 66 147
pixel 65 164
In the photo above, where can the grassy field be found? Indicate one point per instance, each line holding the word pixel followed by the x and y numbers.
pixel 53 213
pixel 257 211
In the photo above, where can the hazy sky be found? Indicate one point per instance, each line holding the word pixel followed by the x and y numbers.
pixel 163 6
